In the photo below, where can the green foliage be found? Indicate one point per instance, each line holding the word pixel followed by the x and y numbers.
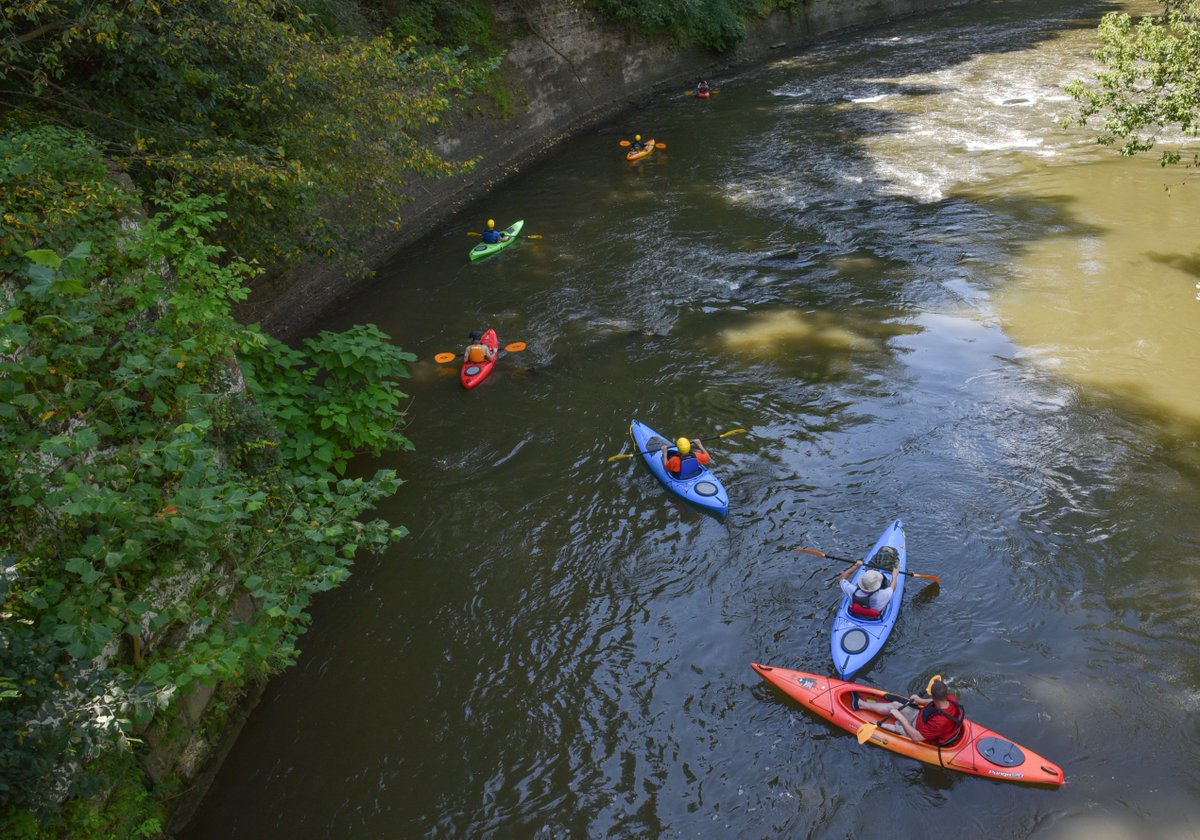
pixel 718 25
pixel 327 398
pixel 1150 80
pixel 147 495
pixel 444 23
pixel 310 134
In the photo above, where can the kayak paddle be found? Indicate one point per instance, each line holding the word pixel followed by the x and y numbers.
pixel 527 236
pixel 511 347
pixel 868 729
pixel 869 565
pixel 656 145
pixel 647 452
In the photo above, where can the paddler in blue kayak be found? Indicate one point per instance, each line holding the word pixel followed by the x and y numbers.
pixel 682 462
pixel 870 597
pixel 491 236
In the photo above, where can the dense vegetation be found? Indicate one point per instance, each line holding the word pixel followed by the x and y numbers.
pixel 308 117
pixel 1150 80
pixel 171 508
pixel 716 24
pixel 173 480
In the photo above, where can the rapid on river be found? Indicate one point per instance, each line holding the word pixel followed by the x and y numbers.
pixel 923 298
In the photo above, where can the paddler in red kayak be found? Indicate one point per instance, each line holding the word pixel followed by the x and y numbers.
pixel 477 352
pixel 937 719
pixel 683 463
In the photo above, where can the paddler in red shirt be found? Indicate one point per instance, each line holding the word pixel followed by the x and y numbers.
pixel 937 719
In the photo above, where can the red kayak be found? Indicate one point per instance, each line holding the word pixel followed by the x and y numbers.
pixel 978 750
pixel 473 373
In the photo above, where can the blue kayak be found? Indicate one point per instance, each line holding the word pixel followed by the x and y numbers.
pixel 855 641
pixel 703 489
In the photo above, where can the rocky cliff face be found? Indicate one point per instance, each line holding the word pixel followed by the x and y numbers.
pixel 566 70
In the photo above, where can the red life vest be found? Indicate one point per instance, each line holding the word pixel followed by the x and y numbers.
pixel 927 727
pixel 857 609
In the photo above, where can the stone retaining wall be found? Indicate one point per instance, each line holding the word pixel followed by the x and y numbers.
pixel 567 70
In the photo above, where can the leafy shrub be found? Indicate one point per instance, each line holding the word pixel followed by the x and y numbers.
pixel 146 493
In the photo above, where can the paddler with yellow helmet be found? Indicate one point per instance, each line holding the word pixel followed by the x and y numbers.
pixel 638 145
pixel 681 462
pixel 491 236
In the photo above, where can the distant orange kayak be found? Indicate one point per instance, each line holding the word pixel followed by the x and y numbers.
pixel 634 155
pixel 978 751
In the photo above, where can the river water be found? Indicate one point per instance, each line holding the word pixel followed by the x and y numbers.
pixel 923 298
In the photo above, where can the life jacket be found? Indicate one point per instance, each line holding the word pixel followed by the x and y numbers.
pixel 477 353
pixel 929 711
pixel 860 604
pixel 689 466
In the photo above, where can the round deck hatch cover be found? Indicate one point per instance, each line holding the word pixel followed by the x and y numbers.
pixel 855 641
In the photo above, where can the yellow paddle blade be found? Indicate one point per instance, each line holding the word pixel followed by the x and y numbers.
pixel 515 346
pixel 932 680
pixel 624 143
pixel 688 92
pixel 534 236
pixel 732 432
pixel 442 358
pixel 474 233
pixel 622 456
pixel 865 732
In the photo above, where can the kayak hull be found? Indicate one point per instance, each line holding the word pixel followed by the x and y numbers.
pixel 703 489
pixel 645 152
pixel 855 641
pixel 472 373
pixel 979 752
pixel 507 237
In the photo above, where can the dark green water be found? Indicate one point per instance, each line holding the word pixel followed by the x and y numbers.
pixel 857 253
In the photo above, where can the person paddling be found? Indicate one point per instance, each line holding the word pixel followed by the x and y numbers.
pixel 682 462
pixel 638 144
pixel 491 236
pixel 478 352
pixel 937 719
pixel 869 597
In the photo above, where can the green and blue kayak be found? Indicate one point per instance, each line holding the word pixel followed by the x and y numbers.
pixel 507 237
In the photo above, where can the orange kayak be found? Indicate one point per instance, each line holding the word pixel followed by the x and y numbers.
pixel 979 750
pixel 632 155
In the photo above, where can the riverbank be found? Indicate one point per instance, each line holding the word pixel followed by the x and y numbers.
pixel 567 71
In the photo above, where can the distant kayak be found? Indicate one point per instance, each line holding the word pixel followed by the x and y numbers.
pixel 472 373
pixel 507 237
pixel 640 153
pixel 856 640
pixel 978 750
pixel 702 489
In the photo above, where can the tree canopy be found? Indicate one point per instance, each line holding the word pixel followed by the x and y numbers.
pixel 1150 81
pixel 311 133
